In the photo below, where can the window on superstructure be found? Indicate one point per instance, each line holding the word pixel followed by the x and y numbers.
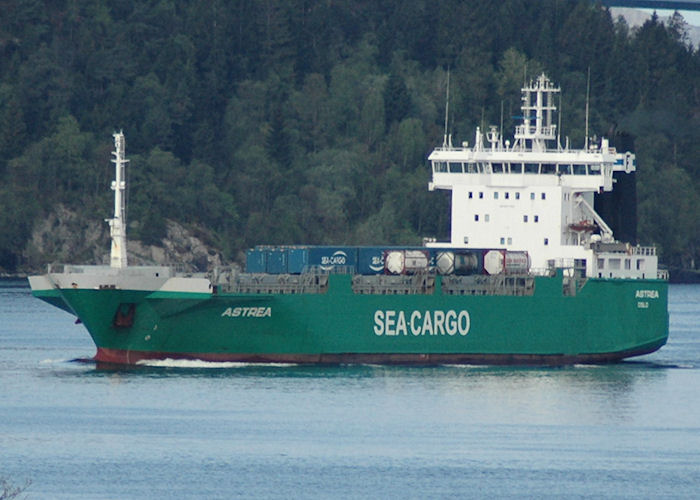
pixel 532 196
pixel 524 218
pixel 507 195
pixel 472 168
pixel 517 196
pixel 455 168
pixel 628 264
pixel 640 264
pixel 476 217
pixel 470 195
pixel 544 196
pixel 516 168
pixel 564 169
pixel 532 168
pixel 537 218
pixel 546 241
pixel 579 169
pixel 510 240
pixel 601 263
pixel 549 168
pixel 495 195
pixel 503 241
pixel 481 195
pixel 486 218
pixel 497 168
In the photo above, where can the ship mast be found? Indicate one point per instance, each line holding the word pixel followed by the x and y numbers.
pixel 538 107
pixel 117 225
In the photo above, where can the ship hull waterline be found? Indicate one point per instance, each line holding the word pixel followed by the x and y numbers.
pixel 606 321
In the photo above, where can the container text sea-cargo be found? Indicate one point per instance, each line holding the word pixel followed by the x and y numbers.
pixel 531 274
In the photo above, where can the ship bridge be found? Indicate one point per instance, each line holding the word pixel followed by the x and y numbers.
pixel 534 194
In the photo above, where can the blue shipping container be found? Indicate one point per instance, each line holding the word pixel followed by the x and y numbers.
pixel 332 258
pixel 297 260
pixel 277 261
pixel 255 261
pixel 370 260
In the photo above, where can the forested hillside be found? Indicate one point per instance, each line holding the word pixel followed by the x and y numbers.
pixel 301 121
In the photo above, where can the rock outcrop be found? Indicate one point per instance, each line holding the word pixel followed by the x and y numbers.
pixel 64 237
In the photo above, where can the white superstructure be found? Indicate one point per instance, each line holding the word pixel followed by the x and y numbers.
pixel 528 196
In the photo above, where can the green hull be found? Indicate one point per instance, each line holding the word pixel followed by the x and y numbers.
pixel 606 320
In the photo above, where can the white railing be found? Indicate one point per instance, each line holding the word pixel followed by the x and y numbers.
pixel 643 250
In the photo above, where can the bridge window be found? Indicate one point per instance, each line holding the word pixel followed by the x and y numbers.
pixel 497 168
pixel 564 169
pixel 455 168
pixel 440 166
pixel 579 169
pixel 516 168
pixel 549 168
pixel 532 168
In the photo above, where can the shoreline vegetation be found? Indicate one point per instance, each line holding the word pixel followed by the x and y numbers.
pixel 301 122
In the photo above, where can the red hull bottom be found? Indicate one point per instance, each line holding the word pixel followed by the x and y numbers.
pixel 123 357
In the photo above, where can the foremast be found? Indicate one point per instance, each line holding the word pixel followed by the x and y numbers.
pixel 117 225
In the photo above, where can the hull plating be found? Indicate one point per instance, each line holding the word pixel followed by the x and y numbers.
pixel 607 320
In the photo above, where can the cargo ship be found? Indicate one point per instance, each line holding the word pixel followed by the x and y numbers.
pixel 532 274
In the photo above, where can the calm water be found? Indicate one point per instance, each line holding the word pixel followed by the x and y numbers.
pixel 210 431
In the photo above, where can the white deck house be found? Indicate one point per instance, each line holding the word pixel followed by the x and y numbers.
pixel 528 196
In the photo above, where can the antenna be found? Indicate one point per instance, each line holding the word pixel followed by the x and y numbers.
pixel 447 108
pixel 559 123
pixel 588 98
pixel 500 132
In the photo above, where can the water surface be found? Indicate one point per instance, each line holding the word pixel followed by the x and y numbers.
pixel 197 430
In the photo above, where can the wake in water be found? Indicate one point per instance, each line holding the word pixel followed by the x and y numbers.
pixel 198 363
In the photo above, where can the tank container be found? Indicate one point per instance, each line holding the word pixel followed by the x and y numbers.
pixel 517 262
pixel 494 261
pixel 406 261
